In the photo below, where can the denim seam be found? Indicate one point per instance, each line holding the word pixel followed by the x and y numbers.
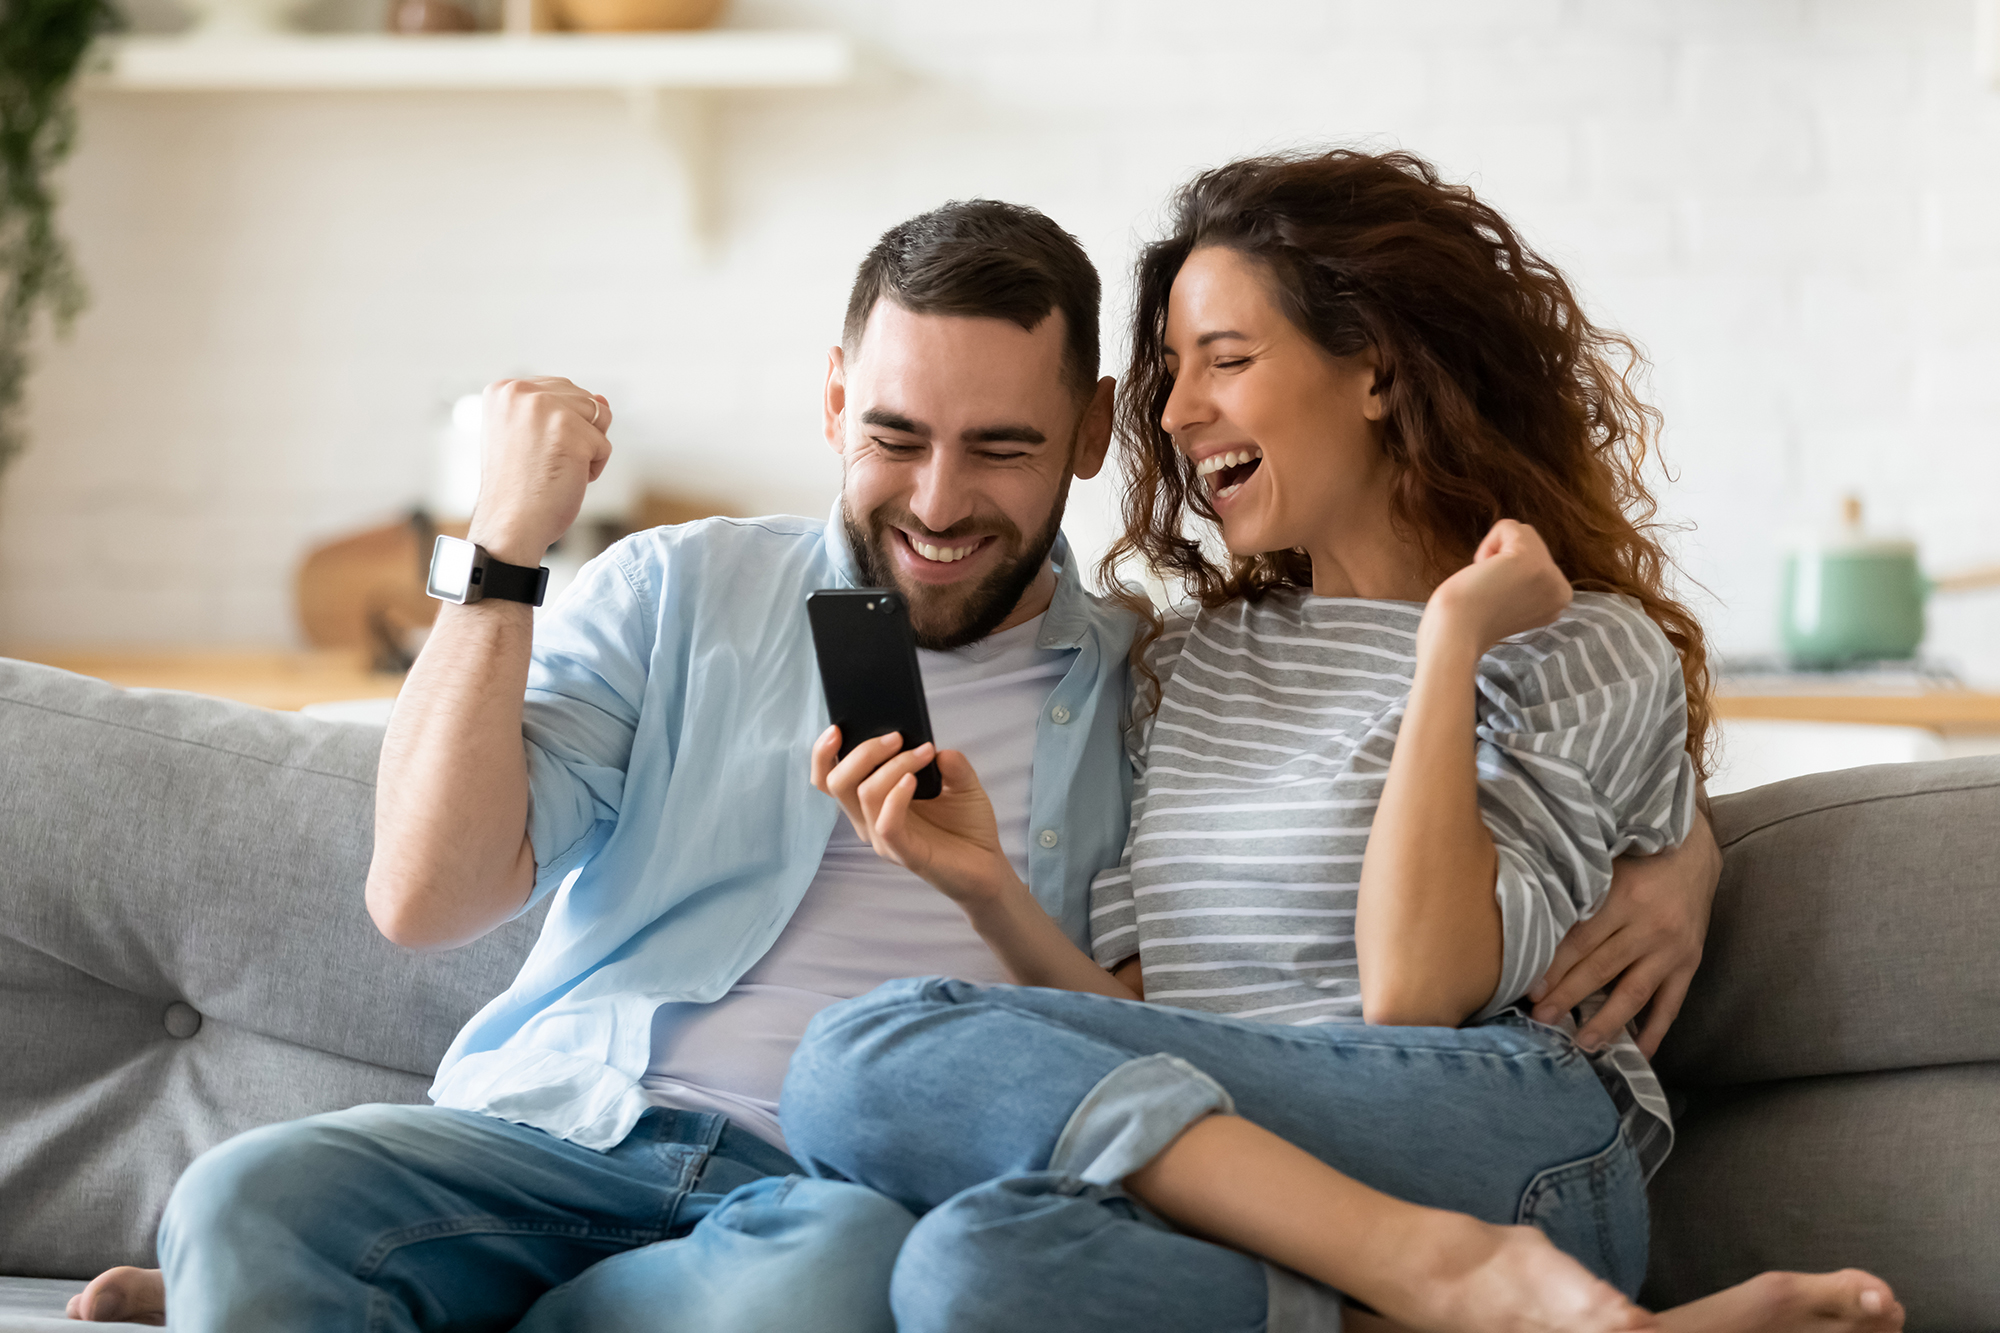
pixel 1596 1167
pixel 389 1242
pixel 689 1173
pixel 1185 1094
pixel 1280 1037
pixel 1278 1034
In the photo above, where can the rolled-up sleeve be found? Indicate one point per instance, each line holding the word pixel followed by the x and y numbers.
pixel 586 683
pixel 1582 758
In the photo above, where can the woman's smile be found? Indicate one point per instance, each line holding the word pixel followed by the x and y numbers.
pixel 1228 468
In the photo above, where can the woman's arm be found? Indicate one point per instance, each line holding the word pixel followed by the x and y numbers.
pixel 953 843
pixel 1427 931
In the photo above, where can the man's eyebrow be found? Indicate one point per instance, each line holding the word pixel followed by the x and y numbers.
pixel 1016 434
pixel 896 421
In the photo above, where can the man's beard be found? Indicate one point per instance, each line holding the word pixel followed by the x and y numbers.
pixel 943 618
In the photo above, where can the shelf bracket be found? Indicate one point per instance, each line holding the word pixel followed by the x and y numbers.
pixel 683 121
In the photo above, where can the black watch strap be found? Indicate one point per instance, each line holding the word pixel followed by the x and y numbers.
pixel 511 583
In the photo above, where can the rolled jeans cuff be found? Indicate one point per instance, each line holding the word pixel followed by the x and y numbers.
pixel 1131 1116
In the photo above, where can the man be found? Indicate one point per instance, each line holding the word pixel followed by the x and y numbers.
pixel 604 1152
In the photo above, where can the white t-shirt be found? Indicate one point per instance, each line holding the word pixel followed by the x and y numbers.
pixel 864 920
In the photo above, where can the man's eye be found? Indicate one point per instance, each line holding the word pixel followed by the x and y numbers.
pixel 993 457
pixel 894 446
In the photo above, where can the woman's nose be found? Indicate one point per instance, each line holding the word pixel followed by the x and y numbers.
pixel 1186 407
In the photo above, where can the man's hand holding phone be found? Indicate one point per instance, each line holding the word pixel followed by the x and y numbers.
pixel 952 841
pixel 542 442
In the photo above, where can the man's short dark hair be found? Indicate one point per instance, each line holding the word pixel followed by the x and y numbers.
pixel 984 258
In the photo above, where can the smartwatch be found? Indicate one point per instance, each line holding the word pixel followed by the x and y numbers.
pixel 462 571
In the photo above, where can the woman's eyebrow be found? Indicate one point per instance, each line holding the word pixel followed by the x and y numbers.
pixel 1218 335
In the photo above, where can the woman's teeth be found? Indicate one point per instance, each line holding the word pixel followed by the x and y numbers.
pixel 1215 465
pixel 944 555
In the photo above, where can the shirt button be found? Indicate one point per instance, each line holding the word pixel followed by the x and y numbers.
pixel 1049 838
pixel 1059 715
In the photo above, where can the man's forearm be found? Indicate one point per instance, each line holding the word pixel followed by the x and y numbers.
pixel 452 858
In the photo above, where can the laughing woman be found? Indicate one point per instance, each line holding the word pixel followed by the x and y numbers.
pixel 1437 687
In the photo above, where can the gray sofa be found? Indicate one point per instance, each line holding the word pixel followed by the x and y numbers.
pixel 184 955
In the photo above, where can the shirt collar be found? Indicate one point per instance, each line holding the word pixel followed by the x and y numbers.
pixel 1066 623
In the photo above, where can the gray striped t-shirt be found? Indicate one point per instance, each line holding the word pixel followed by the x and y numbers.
pixel 1261 770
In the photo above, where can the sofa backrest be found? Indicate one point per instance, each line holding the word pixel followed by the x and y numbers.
pixel 1856 929
pixel 184 953
pixel 1837 1065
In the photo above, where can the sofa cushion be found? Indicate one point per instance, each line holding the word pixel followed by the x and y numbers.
pixel 184 952
pixel 1855 929
pixel 35 1305
pixel 1896 1173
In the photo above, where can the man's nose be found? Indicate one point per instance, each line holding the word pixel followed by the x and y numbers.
pixel 944 491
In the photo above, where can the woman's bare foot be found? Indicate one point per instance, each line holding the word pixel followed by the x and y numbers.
pixel 1849 1301
pixel 133 1295
pixel 1471 1277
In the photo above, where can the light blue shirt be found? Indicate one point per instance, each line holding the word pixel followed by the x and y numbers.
pixel 672 703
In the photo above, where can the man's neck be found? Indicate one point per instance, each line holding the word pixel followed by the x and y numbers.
pixel 1034 601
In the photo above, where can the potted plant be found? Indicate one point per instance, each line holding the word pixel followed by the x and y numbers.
pixel 42 44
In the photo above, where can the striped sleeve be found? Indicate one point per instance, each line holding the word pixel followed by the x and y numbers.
pixel 1114 913
pixel 1114 917
pixel 1582 758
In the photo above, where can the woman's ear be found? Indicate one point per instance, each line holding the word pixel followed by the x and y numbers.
pixel 1375 405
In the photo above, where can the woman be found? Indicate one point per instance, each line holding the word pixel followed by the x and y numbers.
pixel 1436 689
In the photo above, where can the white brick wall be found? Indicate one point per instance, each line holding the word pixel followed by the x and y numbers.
pixel 1791 203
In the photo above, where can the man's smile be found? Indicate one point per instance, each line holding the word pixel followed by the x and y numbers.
pixel 936 562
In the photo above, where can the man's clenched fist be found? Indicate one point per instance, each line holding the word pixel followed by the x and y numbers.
pixel 539 449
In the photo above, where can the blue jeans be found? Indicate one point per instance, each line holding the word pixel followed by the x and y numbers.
pixel 1007 1115
pixel 422 1217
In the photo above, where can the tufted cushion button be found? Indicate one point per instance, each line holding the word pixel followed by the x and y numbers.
pixel 183 1020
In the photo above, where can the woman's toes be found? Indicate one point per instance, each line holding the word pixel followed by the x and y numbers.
pixel 131 1294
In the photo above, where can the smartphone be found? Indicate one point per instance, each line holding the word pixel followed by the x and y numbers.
pixel 868 667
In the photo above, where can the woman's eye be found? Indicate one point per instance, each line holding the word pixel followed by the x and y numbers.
pixel 1231 363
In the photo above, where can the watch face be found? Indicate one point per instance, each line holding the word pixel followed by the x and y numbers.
pixel 451 569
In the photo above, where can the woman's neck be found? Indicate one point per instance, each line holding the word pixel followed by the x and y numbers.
pixel 1371 559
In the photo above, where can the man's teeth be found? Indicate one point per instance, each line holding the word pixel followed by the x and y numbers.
pixel 942 554
pixel 1217 462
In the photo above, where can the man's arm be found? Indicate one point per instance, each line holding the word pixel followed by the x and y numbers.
pixel 1647 938
pixel 452 856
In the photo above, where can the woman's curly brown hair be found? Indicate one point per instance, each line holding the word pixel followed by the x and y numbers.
pixel 1502 399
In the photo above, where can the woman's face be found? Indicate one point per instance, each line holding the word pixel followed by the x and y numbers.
pixel 1282 432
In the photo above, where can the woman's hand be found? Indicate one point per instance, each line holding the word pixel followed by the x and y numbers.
pixel 1512 585
pixel 951 841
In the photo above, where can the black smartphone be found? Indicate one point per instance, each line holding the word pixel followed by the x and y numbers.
pixel 868 667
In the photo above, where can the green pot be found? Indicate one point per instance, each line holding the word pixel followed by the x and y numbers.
pixel 1852 602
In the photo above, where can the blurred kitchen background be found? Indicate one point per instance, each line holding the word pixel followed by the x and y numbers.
pixel 1793 205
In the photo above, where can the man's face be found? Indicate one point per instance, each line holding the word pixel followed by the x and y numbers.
pixel 958 437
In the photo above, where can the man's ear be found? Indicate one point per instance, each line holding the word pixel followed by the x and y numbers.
pixel 834 405
pixel 1093 432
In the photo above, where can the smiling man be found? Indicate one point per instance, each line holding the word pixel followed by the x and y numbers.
pixel 605 1152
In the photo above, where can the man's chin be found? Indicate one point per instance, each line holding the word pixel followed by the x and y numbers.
pixel 943 615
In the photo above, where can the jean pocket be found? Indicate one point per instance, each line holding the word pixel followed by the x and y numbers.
pixel 1594 1210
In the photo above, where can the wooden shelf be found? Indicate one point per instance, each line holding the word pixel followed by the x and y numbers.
pixel 1948 712
pixel 287 681
pixel 671 80
pixel 378 62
